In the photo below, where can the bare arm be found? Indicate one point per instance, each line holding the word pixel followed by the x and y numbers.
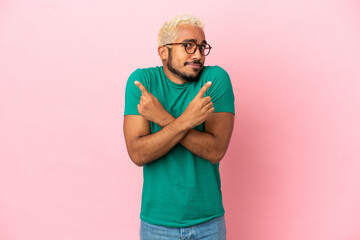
pixel 211 144
pixel 144 147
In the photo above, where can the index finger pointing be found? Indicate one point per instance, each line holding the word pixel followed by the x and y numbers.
pixel 142 88
pixel 203 90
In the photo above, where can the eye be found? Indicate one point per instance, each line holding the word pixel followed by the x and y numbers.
pixel 188 45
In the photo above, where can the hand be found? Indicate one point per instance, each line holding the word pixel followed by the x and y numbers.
pixel 151 109
pixel 199 109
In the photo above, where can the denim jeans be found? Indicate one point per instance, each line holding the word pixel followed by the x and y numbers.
pixel 213 229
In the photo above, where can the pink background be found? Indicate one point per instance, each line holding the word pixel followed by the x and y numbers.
pixel 292 170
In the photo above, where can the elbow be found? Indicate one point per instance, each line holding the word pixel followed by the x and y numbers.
pixel 139 164
pixel 217 157
pixel 135 156
pixel 136 160
pixel 215 160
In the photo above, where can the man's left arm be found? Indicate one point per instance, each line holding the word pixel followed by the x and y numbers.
pixel 213 143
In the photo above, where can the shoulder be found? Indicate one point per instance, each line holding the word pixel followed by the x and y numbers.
pixel 148 77
pixel 215 71
pixel 220 91
pixel 145 75
pixel 217 75
pixel 145 72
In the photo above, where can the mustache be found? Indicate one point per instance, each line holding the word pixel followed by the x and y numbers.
pixel 193 62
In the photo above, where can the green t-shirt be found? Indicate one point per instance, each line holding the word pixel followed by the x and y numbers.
pixel 180 189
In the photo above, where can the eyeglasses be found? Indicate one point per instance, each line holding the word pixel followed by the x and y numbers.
pixel 190 47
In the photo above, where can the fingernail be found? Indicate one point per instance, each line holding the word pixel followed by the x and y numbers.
pixel 136 82
pixel 209 83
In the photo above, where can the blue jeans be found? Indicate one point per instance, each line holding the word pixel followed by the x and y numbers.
pixel 213 229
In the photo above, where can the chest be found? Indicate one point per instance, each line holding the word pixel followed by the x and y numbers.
pixel 175 100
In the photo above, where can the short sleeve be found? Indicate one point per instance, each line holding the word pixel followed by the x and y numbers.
pixel 221 91
pixel 133 93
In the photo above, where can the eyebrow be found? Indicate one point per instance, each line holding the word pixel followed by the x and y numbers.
pixel 193 40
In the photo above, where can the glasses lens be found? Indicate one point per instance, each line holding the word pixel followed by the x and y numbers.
pixel 190 47
pixel 205 49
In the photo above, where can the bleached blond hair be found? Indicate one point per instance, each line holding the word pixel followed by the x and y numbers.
pixel 168 31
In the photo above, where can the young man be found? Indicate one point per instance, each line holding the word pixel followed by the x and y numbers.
pixel 178 123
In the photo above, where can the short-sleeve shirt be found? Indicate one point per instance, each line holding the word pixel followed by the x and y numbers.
pixel 180 189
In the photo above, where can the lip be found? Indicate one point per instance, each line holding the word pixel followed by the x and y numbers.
pixel 194 65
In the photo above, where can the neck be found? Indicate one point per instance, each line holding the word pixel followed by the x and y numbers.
pixel 174 78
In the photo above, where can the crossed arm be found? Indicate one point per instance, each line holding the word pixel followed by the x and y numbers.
pixel 144 147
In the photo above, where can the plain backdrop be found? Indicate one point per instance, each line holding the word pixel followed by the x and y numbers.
pixel 292 170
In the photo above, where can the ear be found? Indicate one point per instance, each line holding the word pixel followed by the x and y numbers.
pixel 163 53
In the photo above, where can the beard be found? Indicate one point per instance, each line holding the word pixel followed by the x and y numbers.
pixel 183 76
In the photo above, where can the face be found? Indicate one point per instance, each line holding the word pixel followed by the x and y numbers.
pixel 182 64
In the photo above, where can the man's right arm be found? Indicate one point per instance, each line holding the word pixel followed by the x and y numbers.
pixel 144 147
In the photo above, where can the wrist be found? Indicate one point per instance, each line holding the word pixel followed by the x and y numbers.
pixel 167 119
pixel 181 123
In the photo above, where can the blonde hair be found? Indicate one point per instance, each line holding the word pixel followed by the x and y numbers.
pixel 168 31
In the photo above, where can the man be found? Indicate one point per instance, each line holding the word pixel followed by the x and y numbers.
pixel 177 124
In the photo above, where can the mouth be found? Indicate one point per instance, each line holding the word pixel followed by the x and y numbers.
pixel 194 65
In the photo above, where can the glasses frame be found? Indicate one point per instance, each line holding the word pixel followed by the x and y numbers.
pixel 197 45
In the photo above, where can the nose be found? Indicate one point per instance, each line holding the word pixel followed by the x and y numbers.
pixel 197 54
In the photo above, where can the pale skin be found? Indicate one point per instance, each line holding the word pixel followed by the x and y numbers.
pixel 210 145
